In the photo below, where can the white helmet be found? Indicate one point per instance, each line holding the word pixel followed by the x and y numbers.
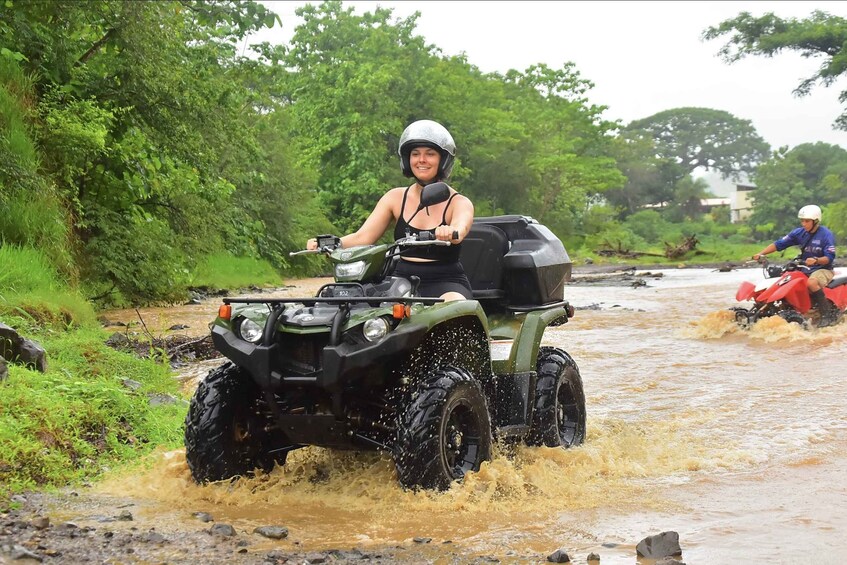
pixel 810 212
pixel 427 133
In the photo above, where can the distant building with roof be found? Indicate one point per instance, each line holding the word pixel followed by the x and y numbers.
pixel 741 203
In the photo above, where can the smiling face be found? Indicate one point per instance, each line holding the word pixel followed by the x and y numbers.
pixel 424 163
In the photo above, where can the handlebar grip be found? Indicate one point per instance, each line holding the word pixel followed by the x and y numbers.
pixel 455 234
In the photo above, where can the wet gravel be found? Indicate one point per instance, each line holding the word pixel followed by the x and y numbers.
pixel 72 527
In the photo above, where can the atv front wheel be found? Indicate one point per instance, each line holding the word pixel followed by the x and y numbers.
pixel 225 431
pixel 444 431
pixel 559 416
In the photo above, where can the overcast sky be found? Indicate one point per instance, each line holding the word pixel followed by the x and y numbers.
pixel 643 57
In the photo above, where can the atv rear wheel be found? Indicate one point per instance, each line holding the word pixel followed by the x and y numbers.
pixel 225 431
pixel 559 416
pixel 443 432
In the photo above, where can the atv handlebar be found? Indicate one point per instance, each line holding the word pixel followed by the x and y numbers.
pixel 772 271
pixel 329 243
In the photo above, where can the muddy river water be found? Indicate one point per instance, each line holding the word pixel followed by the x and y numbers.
pixel 735 439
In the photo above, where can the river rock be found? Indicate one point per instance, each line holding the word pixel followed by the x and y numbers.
pixel 665 544
pixel 222 530
pixel 17 349
pixel 559 556
pixel 272 532
pixel 203 516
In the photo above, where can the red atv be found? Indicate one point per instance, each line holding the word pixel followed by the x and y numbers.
pixel 783 293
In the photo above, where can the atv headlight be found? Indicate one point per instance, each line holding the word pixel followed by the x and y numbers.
pixel 354 269
pixel 375 329
pixel 249 330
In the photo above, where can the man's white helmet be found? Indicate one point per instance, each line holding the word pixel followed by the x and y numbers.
pixel 810 212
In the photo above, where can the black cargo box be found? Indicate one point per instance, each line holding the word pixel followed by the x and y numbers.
pixel 515 261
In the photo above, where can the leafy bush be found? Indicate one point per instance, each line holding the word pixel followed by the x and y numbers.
pixel 647 224
pixel 132 262
pixel 225 271
pixel 614 236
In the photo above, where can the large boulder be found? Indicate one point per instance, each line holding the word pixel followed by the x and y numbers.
pixel 4 370
pixel 17 349
pixel 661 545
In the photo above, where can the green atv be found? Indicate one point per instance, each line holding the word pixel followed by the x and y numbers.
pixel 367 364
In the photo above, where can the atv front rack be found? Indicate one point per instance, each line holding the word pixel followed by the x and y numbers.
pixel 334 300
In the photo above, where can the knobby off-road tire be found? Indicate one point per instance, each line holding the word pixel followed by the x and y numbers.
pixel 443 432
pixel 793 317
pixel 558 418
pixel 224 435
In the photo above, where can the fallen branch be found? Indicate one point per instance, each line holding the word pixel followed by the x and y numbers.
pixel 678 251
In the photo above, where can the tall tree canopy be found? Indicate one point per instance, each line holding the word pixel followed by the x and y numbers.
pixel 704 138
pixel 819 36
pixel 649 179
pixel 528 142
pixel 148 122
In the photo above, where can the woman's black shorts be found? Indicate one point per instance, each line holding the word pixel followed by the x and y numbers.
pixel 436 277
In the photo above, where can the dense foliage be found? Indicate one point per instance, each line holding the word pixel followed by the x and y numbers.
pixel 152 137
pixel 811 173
pixel 150 142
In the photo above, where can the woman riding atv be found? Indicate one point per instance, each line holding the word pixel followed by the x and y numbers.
pixel 817 245
pixel 427 152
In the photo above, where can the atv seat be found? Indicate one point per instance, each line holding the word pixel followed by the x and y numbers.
pixel 482 255
pixel 837 281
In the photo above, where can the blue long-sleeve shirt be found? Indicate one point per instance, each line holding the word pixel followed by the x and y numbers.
pixel 821 243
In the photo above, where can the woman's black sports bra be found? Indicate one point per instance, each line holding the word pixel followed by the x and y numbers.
pixel 443 253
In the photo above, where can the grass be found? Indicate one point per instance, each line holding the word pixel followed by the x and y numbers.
pixel 709 251
pixel 78 418
pixel 226 271
pixel 32 292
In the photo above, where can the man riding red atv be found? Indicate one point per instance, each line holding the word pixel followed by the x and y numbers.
pixel 804 280
pixel 787 296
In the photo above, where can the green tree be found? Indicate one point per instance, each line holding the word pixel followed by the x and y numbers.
pixel 570 157
pixel 821 35
pixel 528 142
pixel 704 138
pixel 356 84
pixel 688 195
pixel 649 179
pixel 145 112
pixel 779 193
pixel 811 173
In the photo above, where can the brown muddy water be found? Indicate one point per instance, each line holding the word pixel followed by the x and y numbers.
pixel 736 439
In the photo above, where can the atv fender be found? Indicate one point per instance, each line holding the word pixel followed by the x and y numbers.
pixel 791 287
pixel 745 291
pixel 527 330
pixel 456 334
pixel 837 294
pixel 516 375
pixel 346 363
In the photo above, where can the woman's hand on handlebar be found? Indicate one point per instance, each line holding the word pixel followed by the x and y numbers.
pixel 312 244
pixel 447 233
